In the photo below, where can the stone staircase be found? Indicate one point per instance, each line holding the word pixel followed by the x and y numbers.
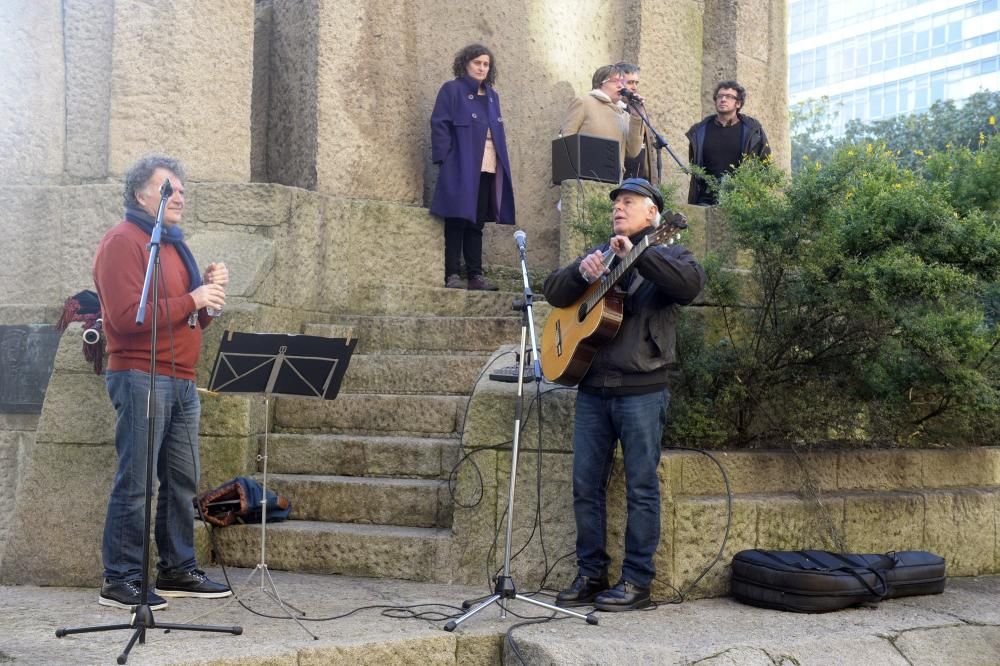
pixel 367 473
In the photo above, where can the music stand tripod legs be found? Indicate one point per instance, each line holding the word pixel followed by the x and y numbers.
pixel 505 588
pixel 265 573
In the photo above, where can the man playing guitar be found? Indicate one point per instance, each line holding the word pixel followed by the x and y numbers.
pixel 623 394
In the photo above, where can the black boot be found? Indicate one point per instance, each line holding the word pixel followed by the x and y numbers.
pixel 622 597
pixel 582 591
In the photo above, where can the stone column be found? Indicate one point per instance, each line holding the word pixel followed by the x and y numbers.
pixel 182 77
pixel 32 97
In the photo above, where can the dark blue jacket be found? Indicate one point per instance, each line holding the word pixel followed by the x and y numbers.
pixel 753 141
pixel 458 139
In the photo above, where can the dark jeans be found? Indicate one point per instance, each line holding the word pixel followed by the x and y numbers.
pixel 178 411
pixel 637 421
pixel 465 237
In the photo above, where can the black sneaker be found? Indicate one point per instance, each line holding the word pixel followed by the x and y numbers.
pixel 126 594
pixel 192 583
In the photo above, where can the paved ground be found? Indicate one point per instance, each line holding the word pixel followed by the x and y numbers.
pixel 960 627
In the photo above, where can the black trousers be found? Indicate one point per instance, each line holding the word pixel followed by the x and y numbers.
pixel 464 238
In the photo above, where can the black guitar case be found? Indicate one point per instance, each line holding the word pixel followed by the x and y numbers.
pixel 817 581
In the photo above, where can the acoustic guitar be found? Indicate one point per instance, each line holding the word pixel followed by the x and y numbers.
pixel 574 334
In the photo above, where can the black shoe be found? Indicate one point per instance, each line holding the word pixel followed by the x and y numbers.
pixel 623 596
pixel 192 583
pixel 479 283
pixel 126 594
pixel 582 591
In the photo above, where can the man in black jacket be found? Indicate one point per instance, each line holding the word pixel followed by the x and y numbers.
pixel 623 397
pixel 720 141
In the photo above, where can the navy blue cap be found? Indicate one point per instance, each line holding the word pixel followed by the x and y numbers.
pixel 642 187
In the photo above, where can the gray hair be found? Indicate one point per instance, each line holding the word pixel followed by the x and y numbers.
pixel 139 174
pixel 649 202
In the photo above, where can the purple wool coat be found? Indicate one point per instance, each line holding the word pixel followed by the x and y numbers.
pixel 458 139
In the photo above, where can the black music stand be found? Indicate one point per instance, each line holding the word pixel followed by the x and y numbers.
pixel 303 366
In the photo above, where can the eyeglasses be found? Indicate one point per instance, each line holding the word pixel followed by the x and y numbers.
pixel 727 96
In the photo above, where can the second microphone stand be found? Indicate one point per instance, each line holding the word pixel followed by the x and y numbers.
pixel 505 588
pixel 658 140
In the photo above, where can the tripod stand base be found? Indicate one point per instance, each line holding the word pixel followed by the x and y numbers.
pixel 505 590
pixel 142 619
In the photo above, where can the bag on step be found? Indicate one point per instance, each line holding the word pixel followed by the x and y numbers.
pixel 817 581
pixel 239 501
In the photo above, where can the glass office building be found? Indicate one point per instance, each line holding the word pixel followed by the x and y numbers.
pixel 877 58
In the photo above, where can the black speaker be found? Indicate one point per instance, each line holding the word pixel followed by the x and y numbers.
pixel 586 157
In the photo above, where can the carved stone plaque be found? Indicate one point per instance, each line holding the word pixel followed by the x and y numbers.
pixel 26 357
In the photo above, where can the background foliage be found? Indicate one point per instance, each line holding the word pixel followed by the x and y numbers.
pixel 869 310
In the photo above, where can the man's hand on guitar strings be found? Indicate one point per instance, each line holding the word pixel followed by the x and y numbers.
pixel 592 267
pixel 621 245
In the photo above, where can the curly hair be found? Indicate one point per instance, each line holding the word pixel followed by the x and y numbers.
pixel 741 92
pixel 139 174
pixel 470 53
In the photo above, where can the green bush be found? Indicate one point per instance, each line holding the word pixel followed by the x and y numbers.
pixel 869 312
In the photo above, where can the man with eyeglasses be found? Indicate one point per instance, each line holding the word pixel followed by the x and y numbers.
pixel 722 140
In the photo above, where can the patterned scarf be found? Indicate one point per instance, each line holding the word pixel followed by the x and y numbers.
pixel 171 234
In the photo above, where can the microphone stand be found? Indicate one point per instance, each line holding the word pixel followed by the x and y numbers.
pixel 505 588
pixel 658 140
pixel 142 615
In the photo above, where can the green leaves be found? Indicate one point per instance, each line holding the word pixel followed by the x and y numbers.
pixel 870 310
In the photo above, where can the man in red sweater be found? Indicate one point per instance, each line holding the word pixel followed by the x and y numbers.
pixel 184 295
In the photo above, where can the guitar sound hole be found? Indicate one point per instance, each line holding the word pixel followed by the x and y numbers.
pixel 582 312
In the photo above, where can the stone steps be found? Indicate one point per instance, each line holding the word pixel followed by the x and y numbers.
pixel 357 455
pixel 365 500
pixel 412 300
pixel 370 413
pixel 396 334
pixel 437 374
pixel 410 553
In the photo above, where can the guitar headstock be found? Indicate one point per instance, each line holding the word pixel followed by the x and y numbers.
pixel 671 224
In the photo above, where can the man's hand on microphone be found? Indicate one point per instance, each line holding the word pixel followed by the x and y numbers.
pixel 209 296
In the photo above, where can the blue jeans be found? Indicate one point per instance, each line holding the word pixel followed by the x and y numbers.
pixel 175 456
pixel 637 421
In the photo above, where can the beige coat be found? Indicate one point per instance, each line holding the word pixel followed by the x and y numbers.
pixel 595 114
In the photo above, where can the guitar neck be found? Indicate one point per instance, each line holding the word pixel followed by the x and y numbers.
pixel 615 276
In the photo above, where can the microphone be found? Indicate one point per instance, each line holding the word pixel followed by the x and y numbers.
pixel 520 238
pixel 166 189
pixel 92 335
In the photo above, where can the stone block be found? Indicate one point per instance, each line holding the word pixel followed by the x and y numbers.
pixel 198 107
pixel 475 519
pixel 880 470
pixel 239 206
pixel 77 410
pixel 231 415
pixel 385 414
pixel 68 550
pixel 883 521
pixel 699 526
pixel 959 645
pixel 223 458
pixel 88 31
pixel 248 257
pixel 490 418
pixel 546 517
pixel 756 472
pixel 789 522
pixel 33 106
pixel 433 650
pixel 946 468
pixel 960 526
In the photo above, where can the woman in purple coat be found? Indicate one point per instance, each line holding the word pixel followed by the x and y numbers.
pixel 469 144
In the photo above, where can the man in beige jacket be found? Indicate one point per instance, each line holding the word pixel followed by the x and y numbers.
pixel 600 113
